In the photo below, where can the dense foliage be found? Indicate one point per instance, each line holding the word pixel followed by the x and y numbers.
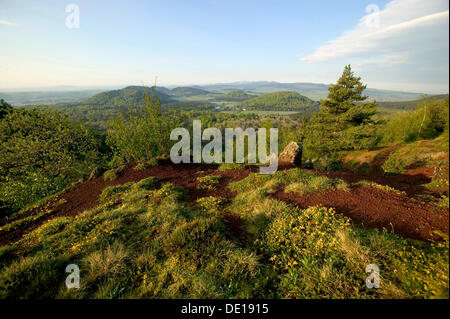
pixel 4 108
pixel 127 97
pixel 284 100
pixel 143 134
pixel 345 121
pixel 429 120
pixel 42 151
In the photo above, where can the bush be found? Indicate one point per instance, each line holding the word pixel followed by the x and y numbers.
pixel 428 121
pixel 394 165
pixel 211 205
pixel 143 134
pixel 146 164
pixel 113 173
pixel 208 182
pixel 334 164
pixel 41 152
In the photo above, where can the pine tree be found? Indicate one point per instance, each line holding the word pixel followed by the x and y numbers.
pixel 345 121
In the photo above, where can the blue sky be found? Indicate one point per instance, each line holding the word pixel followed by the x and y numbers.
pixel 398 44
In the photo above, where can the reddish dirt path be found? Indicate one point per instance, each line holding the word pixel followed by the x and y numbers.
pixel 406 216
pixel 85 196
pixel 376 208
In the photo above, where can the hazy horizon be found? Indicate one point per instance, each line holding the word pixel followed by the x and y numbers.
pixel 399 45
pixel 63 88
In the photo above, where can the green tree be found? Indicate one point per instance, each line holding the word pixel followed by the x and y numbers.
pixel 5 107
pixel 41 152
pixel 345 120
pixel 143 133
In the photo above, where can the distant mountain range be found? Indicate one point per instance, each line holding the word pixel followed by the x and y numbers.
pixel 313 91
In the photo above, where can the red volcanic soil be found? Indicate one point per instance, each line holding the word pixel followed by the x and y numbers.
pixel 408 216
pixel 377 208
pixel 85 196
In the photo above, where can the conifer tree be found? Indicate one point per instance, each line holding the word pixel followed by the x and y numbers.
pixel 345 120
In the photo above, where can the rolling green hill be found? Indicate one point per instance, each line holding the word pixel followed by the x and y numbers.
pixel 133 95
pixel 284 100
pixel 129 96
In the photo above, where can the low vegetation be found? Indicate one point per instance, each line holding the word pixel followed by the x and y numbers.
pixel 208 182
pixel 41 153
pixel 144 241
pixel 149 239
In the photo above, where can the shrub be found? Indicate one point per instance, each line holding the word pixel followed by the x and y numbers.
pixel 169 190
pixel 394 165
pixel 111 193
pixel 428 121
pixel 208 182
pixel 302 241
pixel 143 134
pixel 146 164
pixel 42 152
pixel 113 173
pixel 335 164
pixel 211 205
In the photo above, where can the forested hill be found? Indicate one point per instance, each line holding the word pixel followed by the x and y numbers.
pixel 284 100
pixel 134 95
pixel 129 96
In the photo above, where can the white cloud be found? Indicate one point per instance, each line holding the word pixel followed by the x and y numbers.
pixel 7 23
pixel 405 27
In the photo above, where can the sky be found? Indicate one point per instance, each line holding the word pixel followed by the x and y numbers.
pixel 395 45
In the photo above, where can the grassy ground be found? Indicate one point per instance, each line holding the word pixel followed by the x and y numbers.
pixel 402 157
pixel 145 241
pixel 417 154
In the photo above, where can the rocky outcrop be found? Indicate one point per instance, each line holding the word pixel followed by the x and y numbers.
pixel 292 154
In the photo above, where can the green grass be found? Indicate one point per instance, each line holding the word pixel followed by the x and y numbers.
pixel 420 153
pixel 294 180
pixel 146 164
pixel 113 173
pixel 208 182
pixel 385 188
pixel 229 166
pixel 145 241
pixel 443 202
